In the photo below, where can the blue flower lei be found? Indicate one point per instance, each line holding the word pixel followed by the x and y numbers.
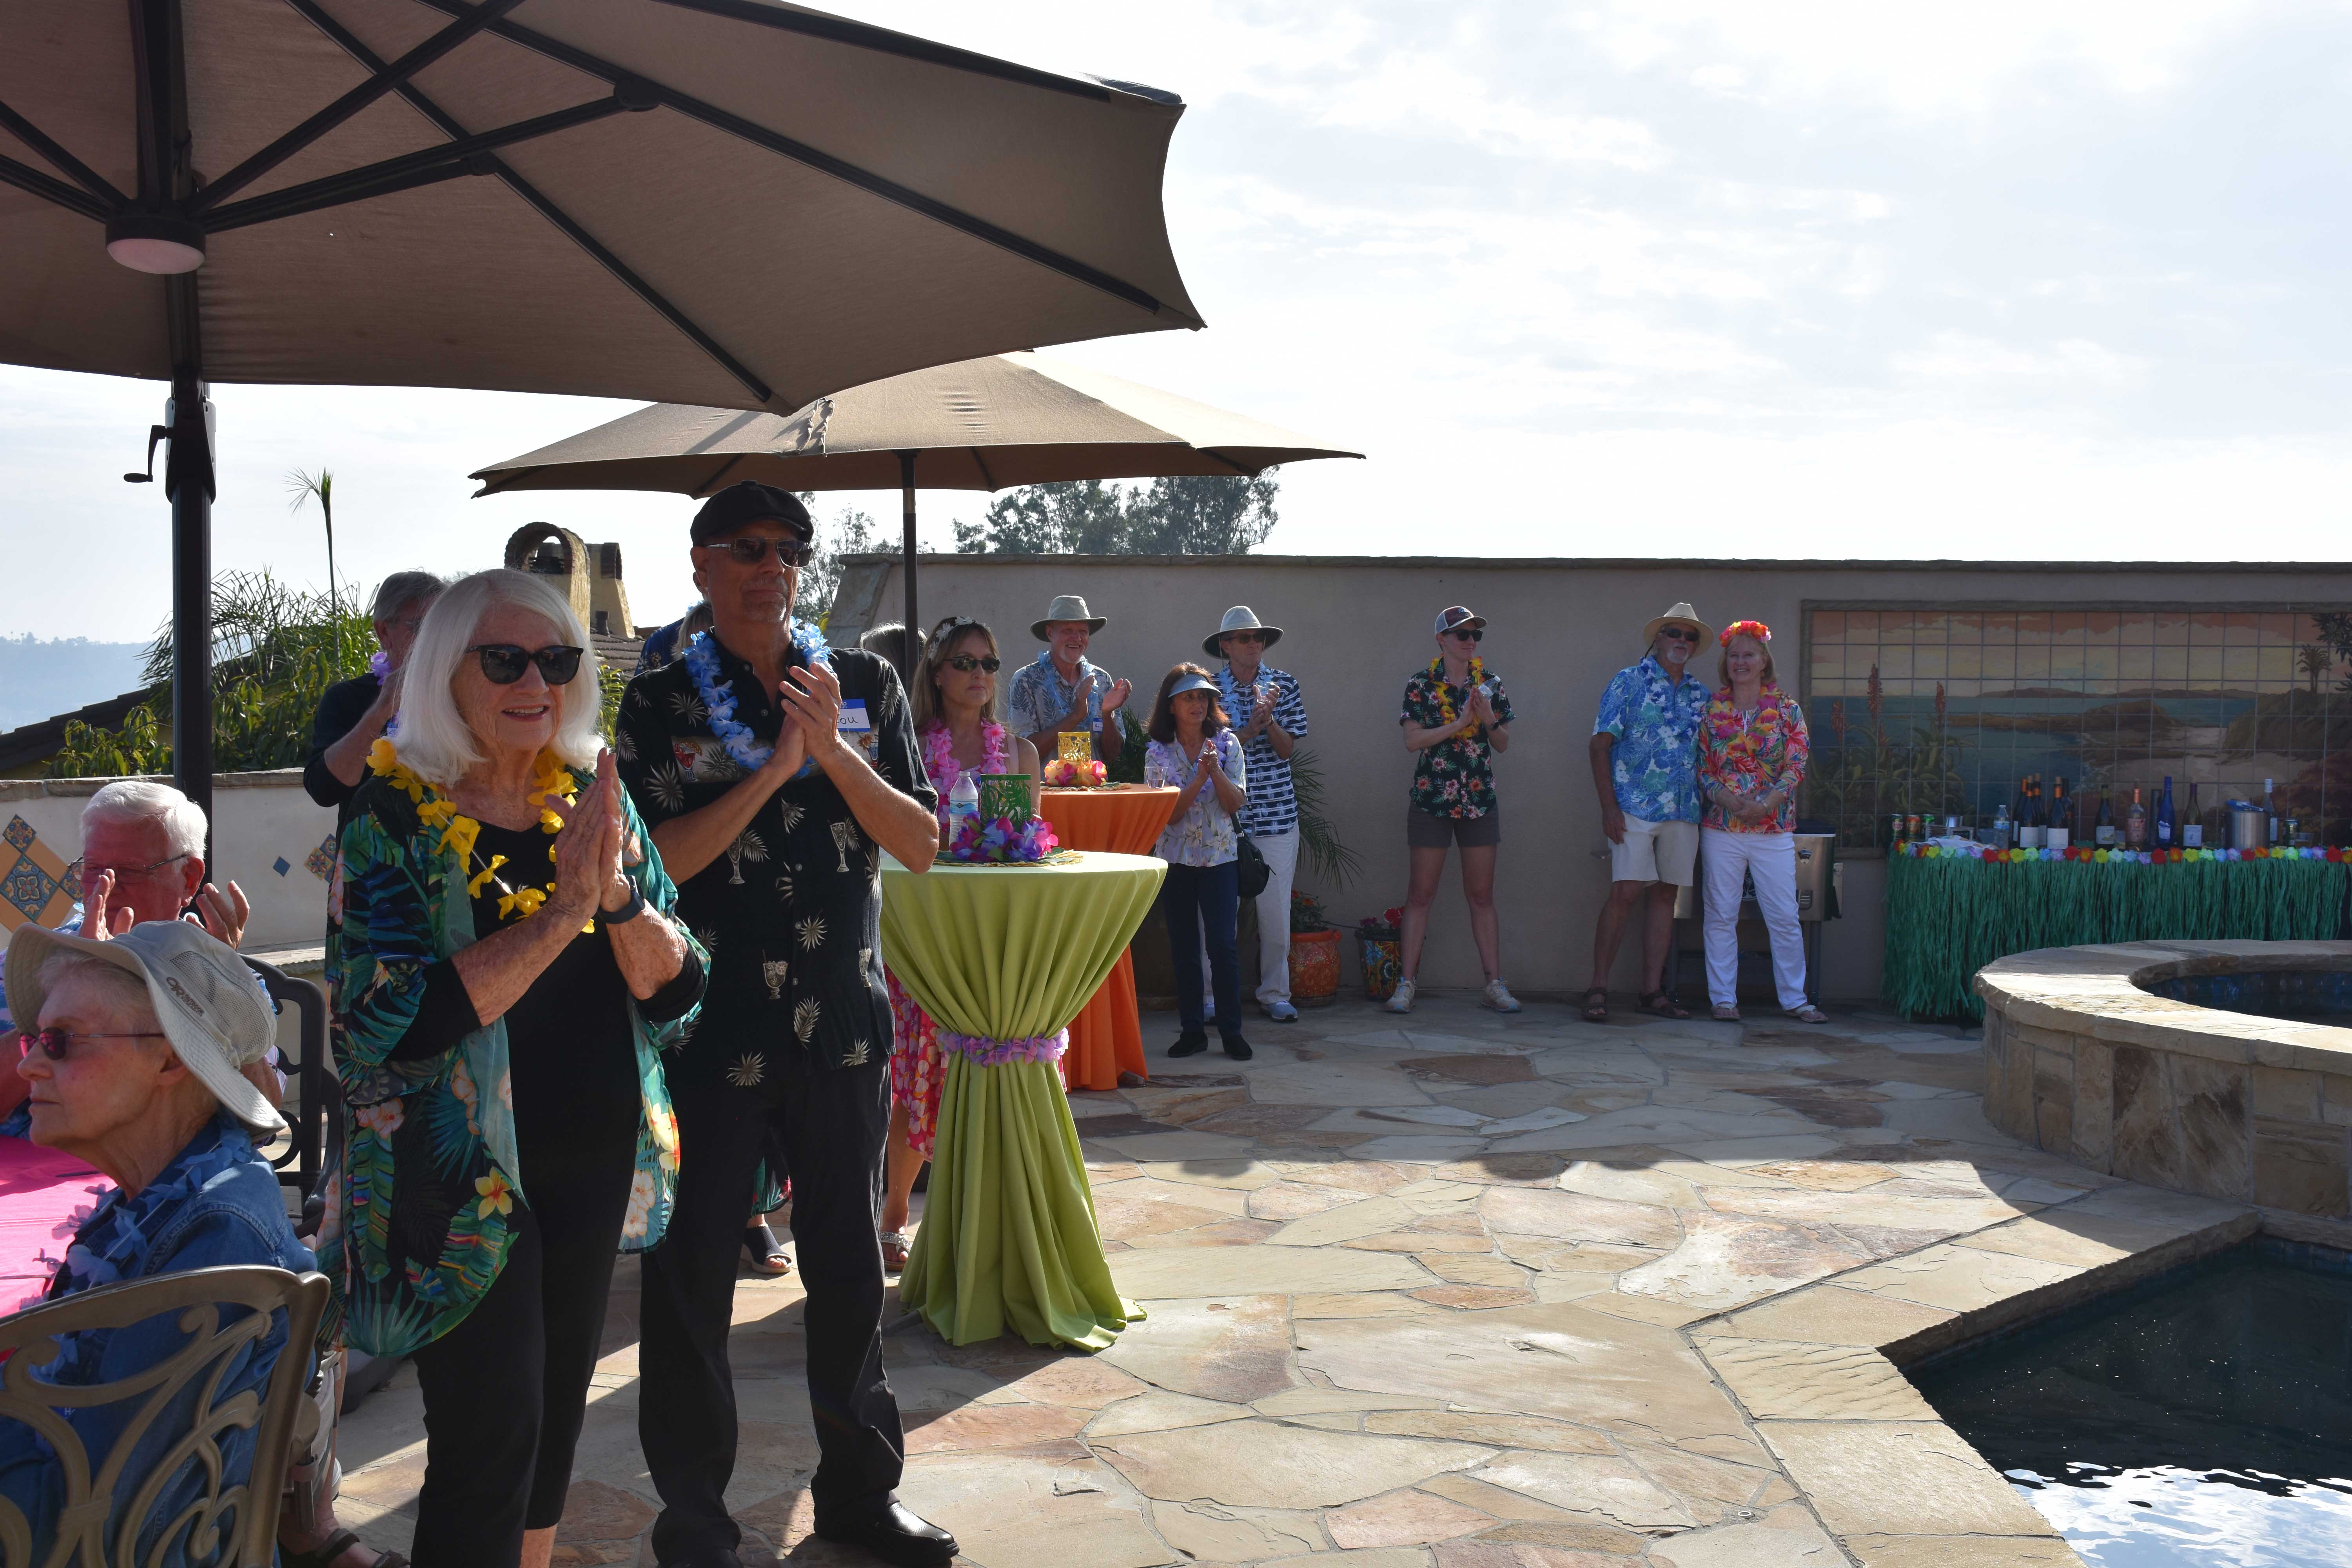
pixel 719 701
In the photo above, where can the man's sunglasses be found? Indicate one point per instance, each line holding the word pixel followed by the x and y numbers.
pixel 751 549
pixel 1243 636
pixel 1469 634
pixel 54 1044
pixel 503 662
pixel 1678 634
pixel 968 662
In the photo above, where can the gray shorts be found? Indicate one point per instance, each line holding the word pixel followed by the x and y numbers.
pixel 1423 831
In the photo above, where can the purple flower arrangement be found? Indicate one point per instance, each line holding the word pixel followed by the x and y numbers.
pixel 987 1053
pixel 1002 841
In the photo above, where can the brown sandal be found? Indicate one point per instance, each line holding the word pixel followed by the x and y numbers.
pixel 1596 1011
pixel 1660 1004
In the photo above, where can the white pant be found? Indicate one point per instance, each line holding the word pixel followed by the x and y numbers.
pixel 1771 860
pixel 1281 853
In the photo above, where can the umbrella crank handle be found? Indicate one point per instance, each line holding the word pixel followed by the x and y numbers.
pixel 155 433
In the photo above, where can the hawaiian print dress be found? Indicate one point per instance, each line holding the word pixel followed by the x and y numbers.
pixel 1753 752
pixel 917 1070
pixel 418 1225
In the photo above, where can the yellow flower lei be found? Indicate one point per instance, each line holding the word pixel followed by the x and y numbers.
pixel 460 831
pixel 1444 692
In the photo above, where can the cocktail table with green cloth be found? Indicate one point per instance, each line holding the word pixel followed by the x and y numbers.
pixel 1011 953
pixel 1948 916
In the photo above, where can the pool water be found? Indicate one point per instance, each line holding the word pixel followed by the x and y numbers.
pixel 2203 1417
pixel 2298 996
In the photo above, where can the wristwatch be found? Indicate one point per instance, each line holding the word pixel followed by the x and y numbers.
pixel 628 911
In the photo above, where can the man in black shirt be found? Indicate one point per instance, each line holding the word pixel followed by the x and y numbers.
pixel 773 773
pixel 352 713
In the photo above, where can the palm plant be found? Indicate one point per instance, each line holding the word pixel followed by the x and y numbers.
pixel 1335 860
pixel 321 484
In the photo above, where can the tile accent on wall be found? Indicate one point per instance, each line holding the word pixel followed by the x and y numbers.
pixel 320 862
pixel 34 886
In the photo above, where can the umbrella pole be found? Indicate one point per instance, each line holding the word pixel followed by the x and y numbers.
pixel 907 489
pixel 188 483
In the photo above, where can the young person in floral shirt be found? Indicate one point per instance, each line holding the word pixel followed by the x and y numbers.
pixel 1455 718
pixel 1752 750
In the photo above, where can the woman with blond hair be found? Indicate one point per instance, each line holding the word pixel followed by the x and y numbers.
pixel 1752 752
pixel 504 977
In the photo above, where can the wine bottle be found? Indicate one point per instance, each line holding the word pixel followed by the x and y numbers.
pixel 2104 830
pixel 2192 829
pixel 2060 831
pixel 2165 836
pixel 2136 822
pixel 2029 826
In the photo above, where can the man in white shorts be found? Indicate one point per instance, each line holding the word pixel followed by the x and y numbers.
pixel 1645 754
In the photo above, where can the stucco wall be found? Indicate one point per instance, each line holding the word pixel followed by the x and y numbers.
pixel 1355 627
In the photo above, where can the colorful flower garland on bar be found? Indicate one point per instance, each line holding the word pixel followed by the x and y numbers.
pixel 982 1052
pixel 1956 851
pixel 1002 842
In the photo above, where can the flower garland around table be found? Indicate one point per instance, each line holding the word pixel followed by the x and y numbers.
pixel 1956 850
pixel 1002 842
pixel 718 697
pixel 1445 693
pixel 460 831
pixel 982 1052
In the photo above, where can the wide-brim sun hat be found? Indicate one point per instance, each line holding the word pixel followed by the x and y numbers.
pixel 205 997
pixel 1679 613
pixel 1067 607
pixel 1240 619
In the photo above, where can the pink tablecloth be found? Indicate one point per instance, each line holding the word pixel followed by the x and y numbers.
pixel 44 1197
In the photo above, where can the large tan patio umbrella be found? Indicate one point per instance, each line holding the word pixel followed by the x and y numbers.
pixel 983 425
pixel 723 201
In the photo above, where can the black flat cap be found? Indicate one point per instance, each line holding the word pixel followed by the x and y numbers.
pixel 750 502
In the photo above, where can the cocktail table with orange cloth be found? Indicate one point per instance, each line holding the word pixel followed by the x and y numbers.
pixel 1106 1039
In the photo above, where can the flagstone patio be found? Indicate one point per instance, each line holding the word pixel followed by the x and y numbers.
pixel 1473 1292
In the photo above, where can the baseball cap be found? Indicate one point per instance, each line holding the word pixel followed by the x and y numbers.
pixel 211 1011
pixel 1454 616
pixel 750 502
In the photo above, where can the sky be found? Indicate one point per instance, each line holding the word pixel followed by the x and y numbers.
pixel 2002 281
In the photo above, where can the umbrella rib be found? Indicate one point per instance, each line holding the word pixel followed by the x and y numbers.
pixel 32 181
pixel 982 464
pixel 392 174
pixel 859 35
pixel 826 163
pixel 710 484
pixel 65 162
pixel 384 78
pixel 349 43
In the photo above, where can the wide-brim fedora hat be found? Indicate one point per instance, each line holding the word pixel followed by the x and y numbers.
pixel 1678 614
pixel 1067 607
pixel 210 1008
pixel 1240 619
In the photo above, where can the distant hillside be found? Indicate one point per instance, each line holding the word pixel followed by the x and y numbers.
pixel 39 679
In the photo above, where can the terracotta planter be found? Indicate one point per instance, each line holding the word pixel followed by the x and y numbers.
pixel 1314 968
pixel 1383 967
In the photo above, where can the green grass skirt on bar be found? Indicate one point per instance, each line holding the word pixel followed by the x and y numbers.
pixel 1950 916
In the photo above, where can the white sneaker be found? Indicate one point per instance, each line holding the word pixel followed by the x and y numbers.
pixel 1498 996
pixel 1401 1000
pixel 1282 1013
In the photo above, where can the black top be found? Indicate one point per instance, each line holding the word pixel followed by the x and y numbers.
pixel 340 708
pixel 569 1047
pixel 791 913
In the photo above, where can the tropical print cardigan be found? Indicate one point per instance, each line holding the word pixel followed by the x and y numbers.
pixel 418 1225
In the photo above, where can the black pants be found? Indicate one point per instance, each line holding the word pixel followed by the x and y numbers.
pixel 1205 901
pixel 505 1390
pixel 828 1125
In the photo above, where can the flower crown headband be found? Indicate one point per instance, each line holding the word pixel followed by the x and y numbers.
pixel 1756 629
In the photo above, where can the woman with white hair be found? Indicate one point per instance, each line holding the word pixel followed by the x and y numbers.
pixel 134 1060
pixel 504 977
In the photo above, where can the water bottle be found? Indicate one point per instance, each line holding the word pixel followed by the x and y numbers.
pixel 963 806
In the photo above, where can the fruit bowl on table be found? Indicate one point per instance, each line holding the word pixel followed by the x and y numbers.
pixel 1059 773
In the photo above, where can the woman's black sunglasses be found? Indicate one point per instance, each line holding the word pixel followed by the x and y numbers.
pixel 1475 634
pixel 968 662
pixel 503 662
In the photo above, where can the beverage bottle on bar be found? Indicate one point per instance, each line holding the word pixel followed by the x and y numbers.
pixel 2269 814
pixel 2192 828
pixel 2103 831
pixel 2003 829
pixel 2136 822
pixel 2029 823
pixel 2019 817
pixel 2165 836
pixel 2060 831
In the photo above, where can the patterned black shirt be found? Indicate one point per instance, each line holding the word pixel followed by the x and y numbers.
pixel 791 913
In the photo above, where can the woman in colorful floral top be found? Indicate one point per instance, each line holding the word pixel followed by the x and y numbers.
pixel 1752 750
pixel 508 1129
pixel 1455 718
pixel 1193 747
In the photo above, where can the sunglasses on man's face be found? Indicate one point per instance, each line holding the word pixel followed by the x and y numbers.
pixel 1469 634
pixel 750 550
pixel 1678 634
pixel 503 662
pixel 968 662
pixel 56 1044
pixel 1251 638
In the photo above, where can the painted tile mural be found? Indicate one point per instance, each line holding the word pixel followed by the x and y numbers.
pixel 34 886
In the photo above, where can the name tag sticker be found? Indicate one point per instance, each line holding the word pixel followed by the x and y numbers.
pixel 853 719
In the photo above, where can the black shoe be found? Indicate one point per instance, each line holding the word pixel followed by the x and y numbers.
pixel 896 1535
pixel 1238 1049
pixel 1190 1043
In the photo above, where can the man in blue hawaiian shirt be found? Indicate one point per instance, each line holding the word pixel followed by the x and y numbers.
pixel 1644 755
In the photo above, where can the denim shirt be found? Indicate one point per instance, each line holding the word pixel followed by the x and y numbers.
pixel 216 1203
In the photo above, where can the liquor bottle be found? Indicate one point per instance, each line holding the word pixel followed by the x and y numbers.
pixel 2136 822
pixel 2029 820
pixel 2017 818
pixel 2103 831
pixel 2269 814
pixel 2192 828
pixel 2165 838
pixel 2059 830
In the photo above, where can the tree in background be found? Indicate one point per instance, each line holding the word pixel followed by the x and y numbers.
pixel 323 485
pixel 849 534
pixel 1187 516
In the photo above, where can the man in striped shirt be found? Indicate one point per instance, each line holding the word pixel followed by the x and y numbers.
pixel 1269 719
